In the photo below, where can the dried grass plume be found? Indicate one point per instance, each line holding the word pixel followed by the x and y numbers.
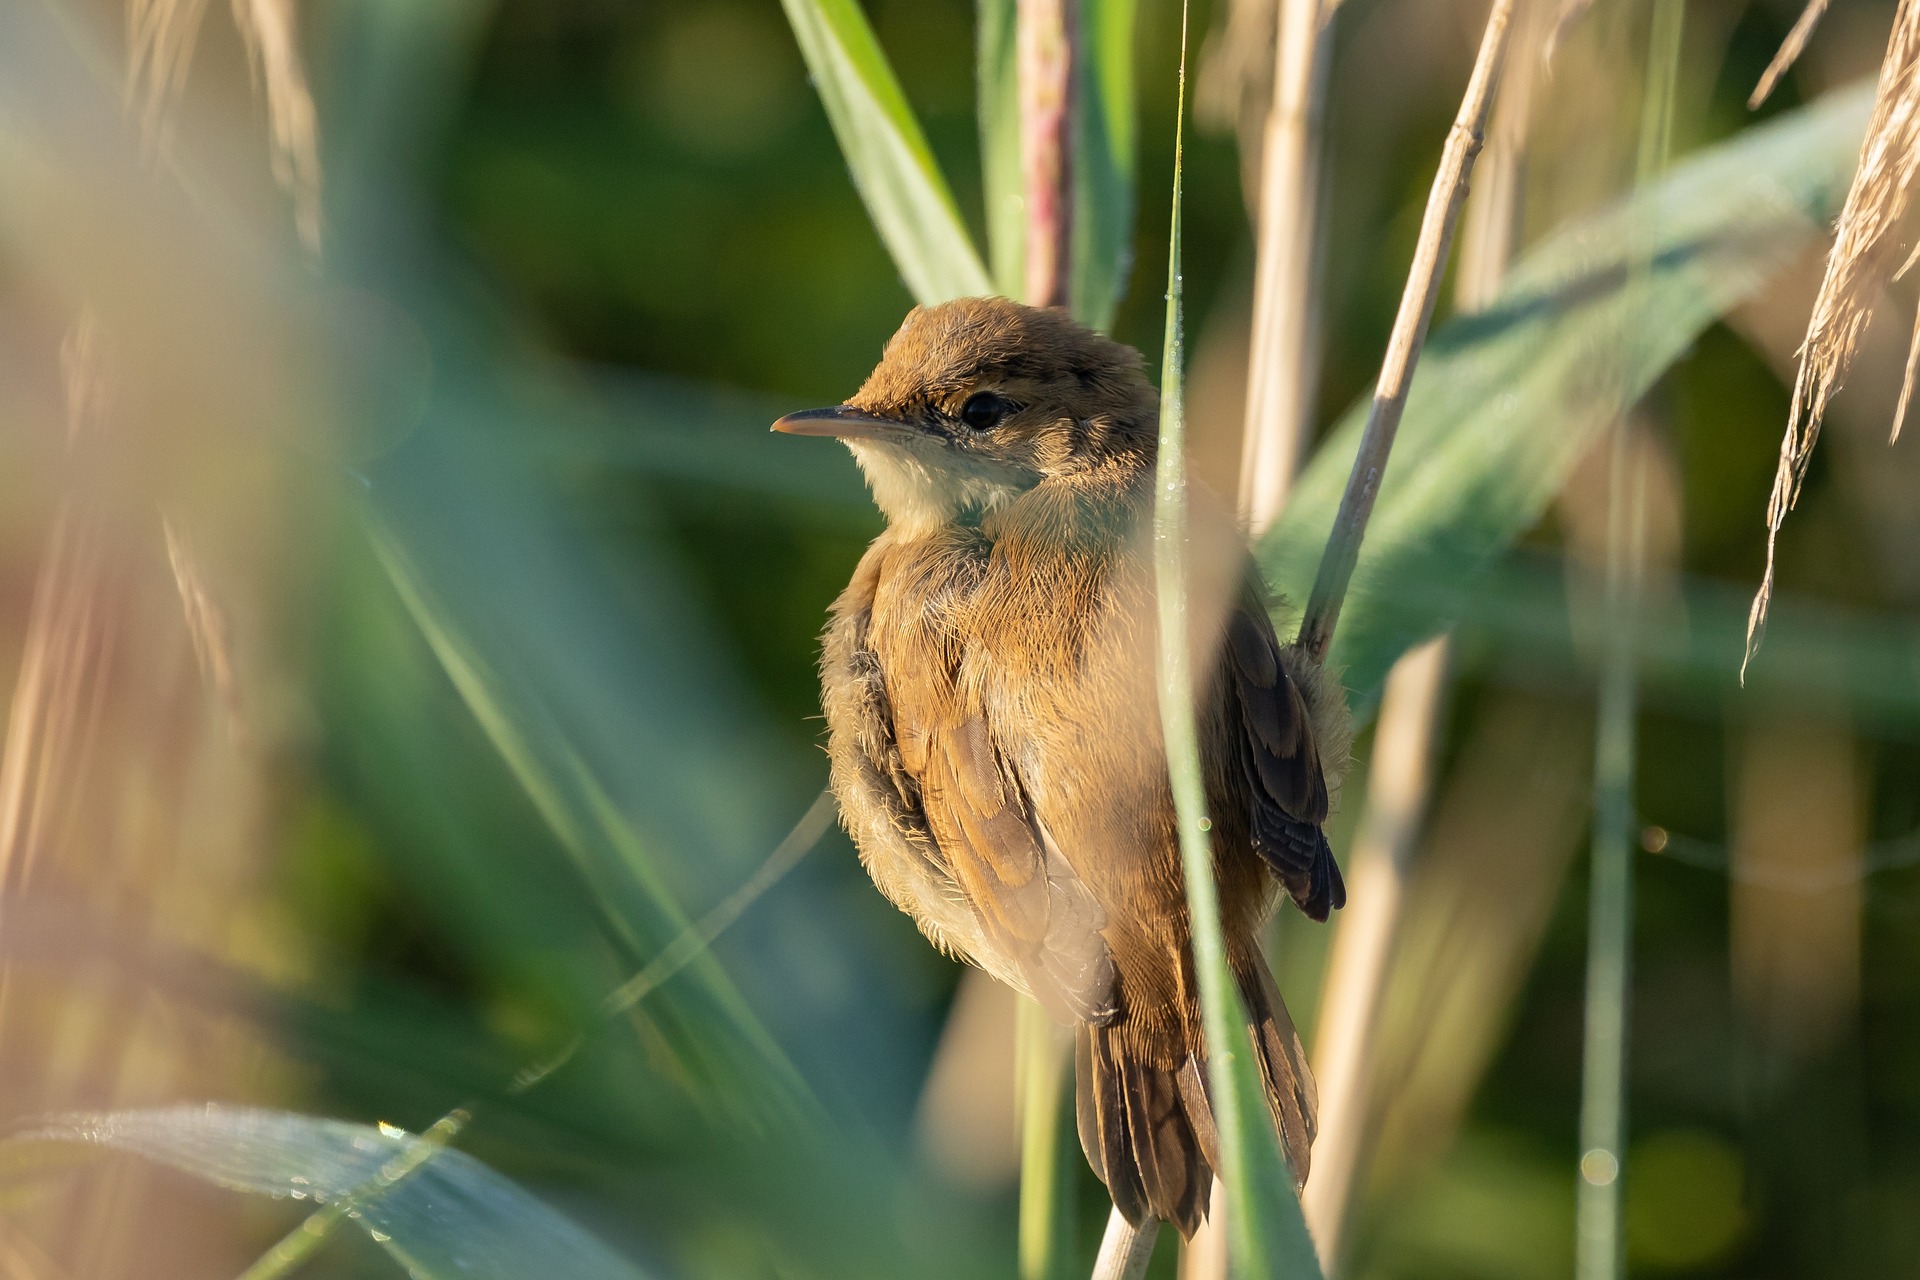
pixel 1857 267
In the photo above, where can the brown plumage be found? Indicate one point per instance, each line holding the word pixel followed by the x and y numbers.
pixel 995 734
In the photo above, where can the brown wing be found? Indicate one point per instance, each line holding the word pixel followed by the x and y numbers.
pixel 945 824
pixel 1031 905
pixel 1277 757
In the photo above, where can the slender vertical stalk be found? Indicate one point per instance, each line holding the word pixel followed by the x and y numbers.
pixel 1449 193
pixel 1281 373
pixel 1046 47
pixel 1125 1250
pixel 1598 1221
pixel 1267 1233
pixel 1047 1203
pixel 1283 351
pixel 1401 779
pixel 1363 944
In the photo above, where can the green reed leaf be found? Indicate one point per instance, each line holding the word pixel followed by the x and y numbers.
pixel 1267 1233
pixel 438 1212
pixel 1103 160
pixel 887 152
pixel 1506 400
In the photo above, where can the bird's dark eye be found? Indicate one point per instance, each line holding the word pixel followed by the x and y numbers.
pixel 984 410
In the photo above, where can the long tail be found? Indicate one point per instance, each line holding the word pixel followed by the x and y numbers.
pixel 1145 1121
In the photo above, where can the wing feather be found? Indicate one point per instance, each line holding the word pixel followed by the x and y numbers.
pixel 1279 762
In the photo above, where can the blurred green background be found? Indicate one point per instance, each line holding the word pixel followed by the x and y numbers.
pixel 526 664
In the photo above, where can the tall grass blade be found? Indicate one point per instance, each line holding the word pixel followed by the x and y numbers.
pixel 1049 1152
pixel 1431 252
pixel 997 93
pixel 1503 405
pixel 1104 164
pixel 709 1025
pixel 1267 1233
pixel 1282 372
pixel 887 152
pixel 1599 1221
pixel 438 1212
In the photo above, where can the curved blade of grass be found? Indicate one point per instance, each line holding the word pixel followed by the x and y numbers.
pixel 716 1035
pixel 1505 401
pixel 1267 1234
pixel 885 149
pixel 1103 161
pixel 438 1212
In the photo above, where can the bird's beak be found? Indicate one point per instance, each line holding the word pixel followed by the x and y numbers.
pixel 843 422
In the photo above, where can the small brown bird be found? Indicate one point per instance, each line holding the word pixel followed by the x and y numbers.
pixel 995 736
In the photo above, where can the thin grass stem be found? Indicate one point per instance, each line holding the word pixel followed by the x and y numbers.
pixel 1437 226
pixel 1125 1250
pixel 1363 944
pixel 1400 782
pixel 300 1244
pixel 1789 52
pixel 1598 1219
pixel 1047 1217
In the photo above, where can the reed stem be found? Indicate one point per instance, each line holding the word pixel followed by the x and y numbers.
pixel 1045 42
pixel 1598 1219
pixel 1437 226
pixel 1281 374
pixel 1125 1250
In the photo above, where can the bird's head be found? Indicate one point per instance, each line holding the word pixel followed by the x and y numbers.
pixel 978 400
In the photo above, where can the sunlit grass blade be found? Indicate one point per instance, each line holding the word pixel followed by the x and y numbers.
pixel 709 1024
pixel 438 1212
pixel 1103 160
pixel 1502 406
pixel 1268 1235
pixel 893 167
pixel 997 97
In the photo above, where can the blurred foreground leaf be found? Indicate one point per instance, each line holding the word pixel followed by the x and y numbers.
pixel 892 165
pixel 1506 401
pixel 438 1212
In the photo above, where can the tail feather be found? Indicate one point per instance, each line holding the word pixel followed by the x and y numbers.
pixel 1148 1127
pixel 1291 1095
pixel 1136 1130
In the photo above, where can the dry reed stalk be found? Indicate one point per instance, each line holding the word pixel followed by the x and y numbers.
pixel 207 625
pixel 1511 814
pixel 1795 949
pixel 1571 11
pixel 1281 375
pixel 69 639
pixel 1045 44
pixel 1380 866
pixel 1864 243
pixel 1346 1062
pixel 273 49
pixel 1125 1250
pixel 1789 52
pixel 1437 226
pixel 1283 346
pixel 161 35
